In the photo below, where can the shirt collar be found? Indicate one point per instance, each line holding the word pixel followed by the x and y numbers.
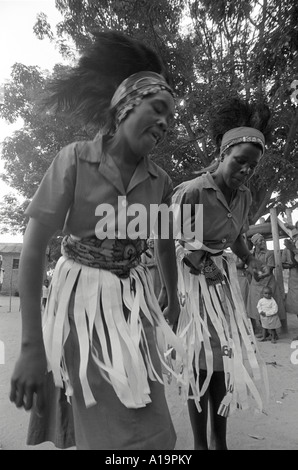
pixel 208 182
pixel 95 155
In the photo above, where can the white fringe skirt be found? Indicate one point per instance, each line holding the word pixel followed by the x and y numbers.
pixel 109 308
pixel 218 335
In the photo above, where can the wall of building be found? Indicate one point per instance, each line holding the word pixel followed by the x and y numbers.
pixel 10 275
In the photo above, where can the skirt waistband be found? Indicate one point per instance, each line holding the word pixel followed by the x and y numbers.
pixel 118 256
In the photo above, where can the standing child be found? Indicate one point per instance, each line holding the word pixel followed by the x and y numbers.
pixel 97 337
pixel 268 308
pixel 256 286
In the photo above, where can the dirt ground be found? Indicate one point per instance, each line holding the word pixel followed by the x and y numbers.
pixel 277 429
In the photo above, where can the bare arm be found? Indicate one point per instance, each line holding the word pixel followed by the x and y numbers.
pixel 31 271
pixel 291 246
pixel 30 369
pixel 166 256
pixel 240 249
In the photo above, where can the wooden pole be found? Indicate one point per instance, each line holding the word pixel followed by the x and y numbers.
pixel 10 288
pixel 277 258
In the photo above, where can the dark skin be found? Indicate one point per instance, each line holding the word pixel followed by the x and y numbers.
pixel 237 166
pixel 267 293
pixel 209 403
pixel 289 244
pixel 135 138
pixel 261 247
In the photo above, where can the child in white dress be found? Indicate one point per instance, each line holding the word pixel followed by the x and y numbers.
pixel 267 308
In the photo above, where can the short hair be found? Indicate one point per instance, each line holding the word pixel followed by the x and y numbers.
pixel 268 288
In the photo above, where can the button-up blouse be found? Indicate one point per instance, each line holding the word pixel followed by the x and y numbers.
pixel 222 222
pixel 82 180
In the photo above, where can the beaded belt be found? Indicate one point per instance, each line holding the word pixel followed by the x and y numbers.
pixel 118 256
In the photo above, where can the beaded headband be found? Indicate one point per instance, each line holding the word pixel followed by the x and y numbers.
pixel 240 135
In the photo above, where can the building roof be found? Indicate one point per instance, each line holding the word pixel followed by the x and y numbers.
pixel 11 247
pixel 265 229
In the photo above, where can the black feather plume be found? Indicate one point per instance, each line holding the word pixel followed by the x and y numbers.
pixel 236 112
pixel 86 90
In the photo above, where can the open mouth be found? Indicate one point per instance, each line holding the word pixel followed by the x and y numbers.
pixel 157 137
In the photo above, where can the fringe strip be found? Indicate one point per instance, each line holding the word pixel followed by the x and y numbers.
pixel 99 296
pixel 221 304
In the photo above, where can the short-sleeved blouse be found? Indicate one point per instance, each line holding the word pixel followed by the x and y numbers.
pixel 222 222
pixel 82 178
pixel 266 257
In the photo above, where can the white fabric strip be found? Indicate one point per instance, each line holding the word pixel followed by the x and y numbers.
pixel 98 299
pixel 223 306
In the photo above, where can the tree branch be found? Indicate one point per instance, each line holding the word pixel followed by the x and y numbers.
pixel 190 132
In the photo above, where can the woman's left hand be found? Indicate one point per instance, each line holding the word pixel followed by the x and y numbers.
pixel 172 312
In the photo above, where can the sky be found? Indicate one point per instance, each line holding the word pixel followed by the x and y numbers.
pixel 18 43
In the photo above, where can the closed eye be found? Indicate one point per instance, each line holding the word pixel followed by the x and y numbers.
pixel 158 109
pixel 161 107
pixel 242 161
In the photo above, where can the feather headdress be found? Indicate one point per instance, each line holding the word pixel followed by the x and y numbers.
pixel 86 90
pixel 235 112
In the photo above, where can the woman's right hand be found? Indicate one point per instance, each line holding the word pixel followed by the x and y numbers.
pixel 28 378
pixel 195 261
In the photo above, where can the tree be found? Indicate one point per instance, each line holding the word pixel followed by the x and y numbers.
pixel 230 48
pixel 29 152
pixel 12 210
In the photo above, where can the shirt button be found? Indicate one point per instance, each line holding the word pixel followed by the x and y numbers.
pixel 224 240
pixel 124 202
pixel 229 215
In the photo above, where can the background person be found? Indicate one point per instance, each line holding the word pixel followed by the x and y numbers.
pixel 267 308
pixel 256 286
pixel 243 278
pixel 289 262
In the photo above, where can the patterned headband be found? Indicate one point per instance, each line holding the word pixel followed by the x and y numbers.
pixel 242 135
pixel 133 89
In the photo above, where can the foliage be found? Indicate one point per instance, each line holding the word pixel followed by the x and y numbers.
pixel 12 210
pixel 213 50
